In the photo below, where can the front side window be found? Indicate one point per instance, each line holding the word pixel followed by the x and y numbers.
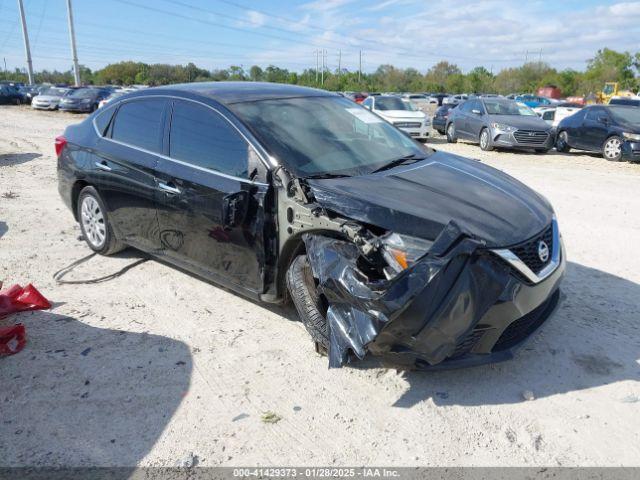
pixel 594 113
pixel 315 136
pixel 139 123
pixel 202 137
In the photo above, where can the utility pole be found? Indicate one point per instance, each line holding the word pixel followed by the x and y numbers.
pixel 339 62
pixel 27 48
pixel 74 52
pixel 317 52
pixel 360 68
pixel 322 70
pixel 526 56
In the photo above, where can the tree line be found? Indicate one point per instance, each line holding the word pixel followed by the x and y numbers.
pixel 606 66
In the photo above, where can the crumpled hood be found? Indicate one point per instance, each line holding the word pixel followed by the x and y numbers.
pixel 521 121
pixel 422 198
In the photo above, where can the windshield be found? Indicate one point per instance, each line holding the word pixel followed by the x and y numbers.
pixel 55 92
pixel 325 135
pixel 508 108
pixel 83 93
pixel 628 115
pixel 393 103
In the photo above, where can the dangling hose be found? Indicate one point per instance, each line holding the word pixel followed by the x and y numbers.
pixel 62 272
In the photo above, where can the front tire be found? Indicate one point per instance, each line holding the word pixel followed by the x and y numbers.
pixel 612 149
pixel 94 223
pixel 310 304
pixel 485 140
pixel 451 133
pixel 562 144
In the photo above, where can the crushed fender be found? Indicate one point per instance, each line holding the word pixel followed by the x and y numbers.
pixel 19 299
pixel 418 316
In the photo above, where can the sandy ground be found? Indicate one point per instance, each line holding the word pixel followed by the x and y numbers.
pixel 157 367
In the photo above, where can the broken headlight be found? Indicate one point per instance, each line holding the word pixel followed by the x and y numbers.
pixel 401 251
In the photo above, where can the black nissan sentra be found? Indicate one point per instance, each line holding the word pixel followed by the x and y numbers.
pixel 385 247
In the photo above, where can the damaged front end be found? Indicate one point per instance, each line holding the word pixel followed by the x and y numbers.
pixel 415 303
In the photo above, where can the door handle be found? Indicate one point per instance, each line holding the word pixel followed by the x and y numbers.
pixel 169 188
pixel 103 166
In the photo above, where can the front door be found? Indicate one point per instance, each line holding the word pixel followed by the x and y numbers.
pixel 595 129
pixel 210 211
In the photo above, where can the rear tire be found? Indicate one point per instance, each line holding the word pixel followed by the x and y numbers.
pixel 310 305
pixel 612 149
pixel 94 223
pixel 562 144
pixel 451 133
pixel 485 140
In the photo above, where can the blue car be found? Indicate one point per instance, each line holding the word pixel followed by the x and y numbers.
pixel 533 101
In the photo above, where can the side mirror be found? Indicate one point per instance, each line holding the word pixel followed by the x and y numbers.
pixel 476 111
pixel 604 120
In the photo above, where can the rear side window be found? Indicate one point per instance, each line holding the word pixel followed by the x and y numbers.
pixel 103 118
pixel 594 113
pixel 139 123
pixel 202 137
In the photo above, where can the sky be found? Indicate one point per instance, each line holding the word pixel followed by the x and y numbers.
pixel 405 33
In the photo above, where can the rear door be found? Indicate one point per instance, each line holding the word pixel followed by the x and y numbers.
pixel 123 168
pixel 210 200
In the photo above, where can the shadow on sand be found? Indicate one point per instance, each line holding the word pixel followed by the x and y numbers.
pixel 79 395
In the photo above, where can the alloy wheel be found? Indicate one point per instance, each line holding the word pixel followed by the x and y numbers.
pixel 484 139
pixel 612 148
pixel 93 222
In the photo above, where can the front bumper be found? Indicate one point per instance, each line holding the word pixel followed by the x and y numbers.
pixel 631 151
pixel 43 106
pixel 458 306
pixel 523 139
pixel 75 108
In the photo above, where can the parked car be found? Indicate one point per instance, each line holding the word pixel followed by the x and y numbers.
pixel 439 122
pixel 631 101
pixel 499 122
pixel 555 114
pixel 265 187
pixel 28 92
pixel 111 97
pixel 356 97
pixel 10 95
pixel 401 114
pixel 421 102
pixel 83 99
pixel 454 99
pixel 439 97
pixel 612 130
pixel 50 98
pixel 534 101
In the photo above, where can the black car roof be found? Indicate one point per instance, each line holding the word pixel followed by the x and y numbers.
pixel 236 92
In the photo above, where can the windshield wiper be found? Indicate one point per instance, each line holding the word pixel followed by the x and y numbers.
pixel 326 175
pixel 407 159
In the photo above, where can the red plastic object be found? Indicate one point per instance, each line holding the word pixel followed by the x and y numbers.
pixel 12 339
pixel 18 299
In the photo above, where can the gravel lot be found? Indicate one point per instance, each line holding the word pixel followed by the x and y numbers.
pixel 157 367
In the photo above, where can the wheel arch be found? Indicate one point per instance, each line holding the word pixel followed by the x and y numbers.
pixel 75 194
